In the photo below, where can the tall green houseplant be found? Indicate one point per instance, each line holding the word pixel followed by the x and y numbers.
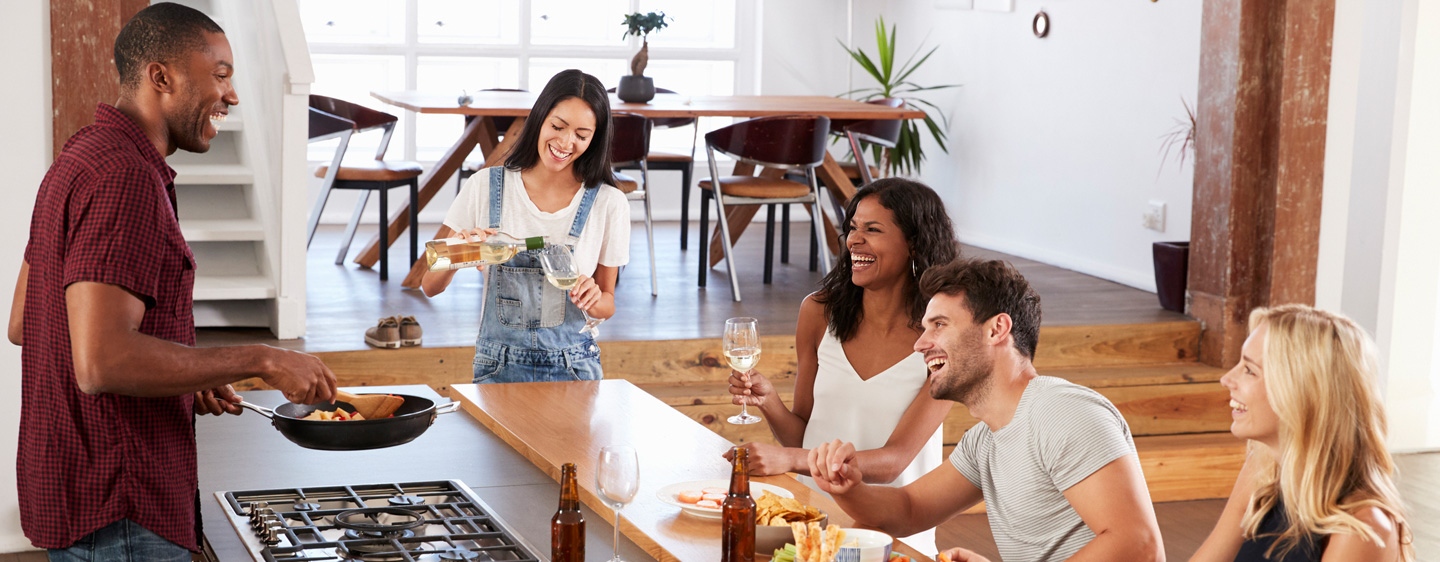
pixel 894 82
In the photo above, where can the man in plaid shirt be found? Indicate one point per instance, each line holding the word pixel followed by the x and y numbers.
pixel 111 380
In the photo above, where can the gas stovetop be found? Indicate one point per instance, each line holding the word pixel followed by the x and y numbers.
pixel 412 522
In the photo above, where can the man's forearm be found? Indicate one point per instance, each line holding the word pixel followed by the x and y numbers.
pixel 884 507
pixel 140 365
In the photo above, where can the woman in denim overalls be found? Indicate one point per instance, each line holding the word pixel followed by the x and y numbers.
pixel 529 330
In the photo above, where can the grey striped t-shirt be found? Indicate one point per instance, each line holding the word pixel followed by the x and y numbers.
pixel 1061 433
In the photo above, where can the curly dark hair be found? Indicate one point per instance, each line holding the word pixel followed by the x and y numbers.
pixel 593 167
pixel 991 287
pixel 921 216
pixel 162 33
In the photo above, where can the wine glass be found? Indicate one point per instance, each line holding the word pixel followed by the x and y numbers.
pixel 617 478
pixel 742 350
pixel 561 271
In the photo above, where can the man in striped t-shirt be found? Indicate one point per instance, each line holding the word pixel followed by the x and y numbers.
pixel 1053 460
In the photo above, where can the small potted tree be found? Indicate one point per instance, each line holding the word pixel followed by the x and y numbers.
pixel 638 88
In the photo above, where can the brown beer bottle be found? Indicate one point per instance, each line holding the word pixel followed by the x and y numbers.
pixel 567 527
pixel 737 537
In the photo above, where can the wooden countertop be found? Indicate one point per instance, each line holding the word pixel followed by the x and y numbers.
pixel 554 423
pixel 246 453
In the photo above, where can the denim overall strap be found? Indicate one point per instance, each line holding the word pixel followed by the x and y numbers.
pixel 497 194
pixel 529 331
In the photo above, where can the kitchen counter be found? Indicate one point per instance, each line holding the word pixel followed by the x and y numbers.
pixel 247 453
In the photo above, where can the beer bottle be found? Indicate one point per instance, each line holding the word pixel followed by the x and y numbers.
pixel 456 253
pixel 567 527
pixel 737 537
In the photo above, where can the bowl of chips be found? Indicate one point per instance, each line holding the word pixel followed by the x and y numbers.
pixel 773 518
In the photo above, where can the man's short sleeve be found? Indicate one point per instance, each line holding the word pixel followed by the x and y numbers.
pixel 1080 434
pixel 963 457
pixel 117 233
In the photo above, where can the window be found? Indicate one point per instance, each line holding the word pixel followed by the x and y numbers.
pixel 466 45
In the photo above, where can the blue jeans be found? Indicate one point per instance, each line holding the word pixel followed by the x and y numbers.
pixel 121 541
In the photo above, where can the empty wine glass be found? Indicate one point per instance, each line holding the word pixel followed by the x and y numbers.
pixel 561 271
pixel 742 350
pixel 617 478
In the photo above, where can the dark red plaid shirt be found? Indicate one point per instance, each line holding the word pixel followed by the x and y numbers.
pixel 105 213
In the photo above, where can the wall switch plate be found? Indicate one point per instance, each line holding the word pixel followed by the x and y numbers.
pixel 1154 217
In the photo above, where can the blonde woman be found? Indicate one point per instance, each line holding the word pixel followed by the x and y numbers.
pixel 1317 483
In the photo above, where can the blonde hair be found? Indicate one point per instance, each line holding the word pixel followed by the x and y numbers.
pixel 1319 372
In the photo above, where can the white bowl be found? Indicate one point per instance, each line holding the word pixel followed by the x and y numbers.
pixel 864 545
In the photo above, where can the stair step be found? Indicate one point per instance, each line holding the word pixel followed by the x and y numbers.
pixel 233 287
pixel 209 174
pixel 222 230
pixel 1060 347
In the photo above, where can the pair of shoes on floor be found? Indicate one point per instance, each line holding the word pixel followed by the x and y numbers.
pixel 392 332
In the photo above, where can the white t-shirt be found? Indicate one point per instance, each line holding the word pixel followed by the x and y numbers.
pixel 604 241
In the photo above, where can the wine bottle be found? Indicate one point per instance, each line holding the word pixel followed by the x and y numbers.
pixel 567 527
pixel 737 514
pixel 456 253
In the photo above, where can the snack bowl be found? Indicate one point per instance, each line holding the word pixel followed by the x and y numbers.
pixel 863 545
pixel 769 538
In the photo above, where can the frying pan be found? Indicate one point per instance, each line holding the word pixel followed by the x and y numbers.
pixel 410 420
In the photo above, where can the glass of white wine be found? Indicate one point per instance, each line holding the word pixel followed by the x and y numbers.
pixel 742 350
pixel 617 478
pixel 561 271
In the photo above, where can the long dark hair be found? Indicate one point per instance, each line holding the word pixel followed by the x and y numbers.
pixel 593 167
pixel 921 216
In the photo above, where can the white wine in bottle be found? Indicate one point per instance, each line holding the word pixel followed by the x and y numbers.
pixel 456 253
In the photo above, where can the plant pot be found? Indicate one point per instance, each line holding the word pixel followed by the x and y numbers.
pixel 1172 268
pixel 635 89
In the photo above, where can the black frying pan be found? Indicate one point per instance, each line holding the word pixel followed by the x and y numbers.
pixel 410 420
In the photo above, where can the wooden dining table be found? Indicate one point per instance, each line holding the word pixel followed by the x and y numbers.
pixel 553 423
pixel 480 132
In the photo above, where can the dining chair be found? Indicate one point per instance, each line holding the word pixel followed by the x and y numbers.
pixel 629 148
pixel 670 161
pixel 502 124
pixel 336 118
pixel 787 142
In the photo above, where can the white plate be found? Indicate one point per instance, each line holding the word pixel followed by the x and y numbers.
pixel 669 493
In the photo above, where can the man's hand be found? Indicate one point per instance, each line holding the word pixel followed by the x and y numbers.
pixel 216 401
pixel 833 467
pixel 958 554
pixel 750 388
pixel 304 379
pixel 766 459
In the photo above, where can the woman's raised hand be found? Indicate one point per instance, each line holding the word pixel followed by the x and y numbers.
pixel 586 293
pixel 749 388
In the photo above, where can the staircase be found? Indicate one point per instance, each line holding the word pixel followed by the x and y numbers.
pixel 249 253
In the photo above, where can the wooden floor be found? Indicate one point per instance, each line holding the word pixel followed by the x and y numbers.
pixel 1183 525
pixel 344 300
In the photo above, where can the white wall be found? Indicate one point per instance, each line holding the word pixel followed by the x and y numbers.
pixel 1379 262
pixel 1055 142
pixel 25 155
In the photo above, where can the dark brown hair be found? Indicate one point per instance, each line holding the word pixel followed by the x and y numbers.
pixel 991 288
pixel 593 167
pixel 920 214
pixel 161 33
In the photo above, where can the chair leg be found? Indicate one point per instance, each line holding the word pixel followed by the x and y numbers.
pixel 814 256
pixel 817 221
pixel 414 220
pixel 785 234
pixel 720 217
pixel 384 234
pixel 769 241
pixel 704 234
pixel 350 228
pixel 318 208
pixel 685 205
pixel 650 234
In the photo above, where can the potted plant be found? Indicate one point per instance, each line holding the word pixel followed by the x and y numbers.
pixel 1172 259
pixel 895 82
pixel 638 88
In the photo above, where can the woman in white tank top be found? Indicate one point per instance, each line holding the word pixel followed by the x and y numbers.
pixel 859 378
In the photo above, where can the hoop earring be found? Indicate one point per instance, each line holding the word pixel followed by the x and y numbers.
pixel 914 272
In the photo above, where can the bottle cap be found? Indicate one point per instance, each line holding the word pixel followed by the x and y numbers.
pixel 534 242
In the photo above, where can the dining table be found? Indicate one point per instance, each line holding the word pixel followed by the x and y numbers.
pixel 480 108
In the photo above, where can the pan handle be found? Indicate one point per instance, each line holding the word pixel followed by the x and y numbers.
pixel 267 412
pixel 447 407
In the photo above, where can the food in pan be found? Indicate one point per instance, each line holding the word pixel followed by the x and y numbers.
pixel 337 415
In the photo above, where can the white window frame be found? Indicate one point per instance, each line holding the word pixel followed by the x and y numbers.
pixel 745 54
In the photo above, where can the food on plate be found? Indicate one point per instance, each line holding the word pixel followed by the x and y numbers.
pixel 689 496
pixel 897 557
pixel 785 554
pixel 942 557
pixel 815 545
pixel 337 415
pixel 712 504
pixel 721 491
pixel 778 511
